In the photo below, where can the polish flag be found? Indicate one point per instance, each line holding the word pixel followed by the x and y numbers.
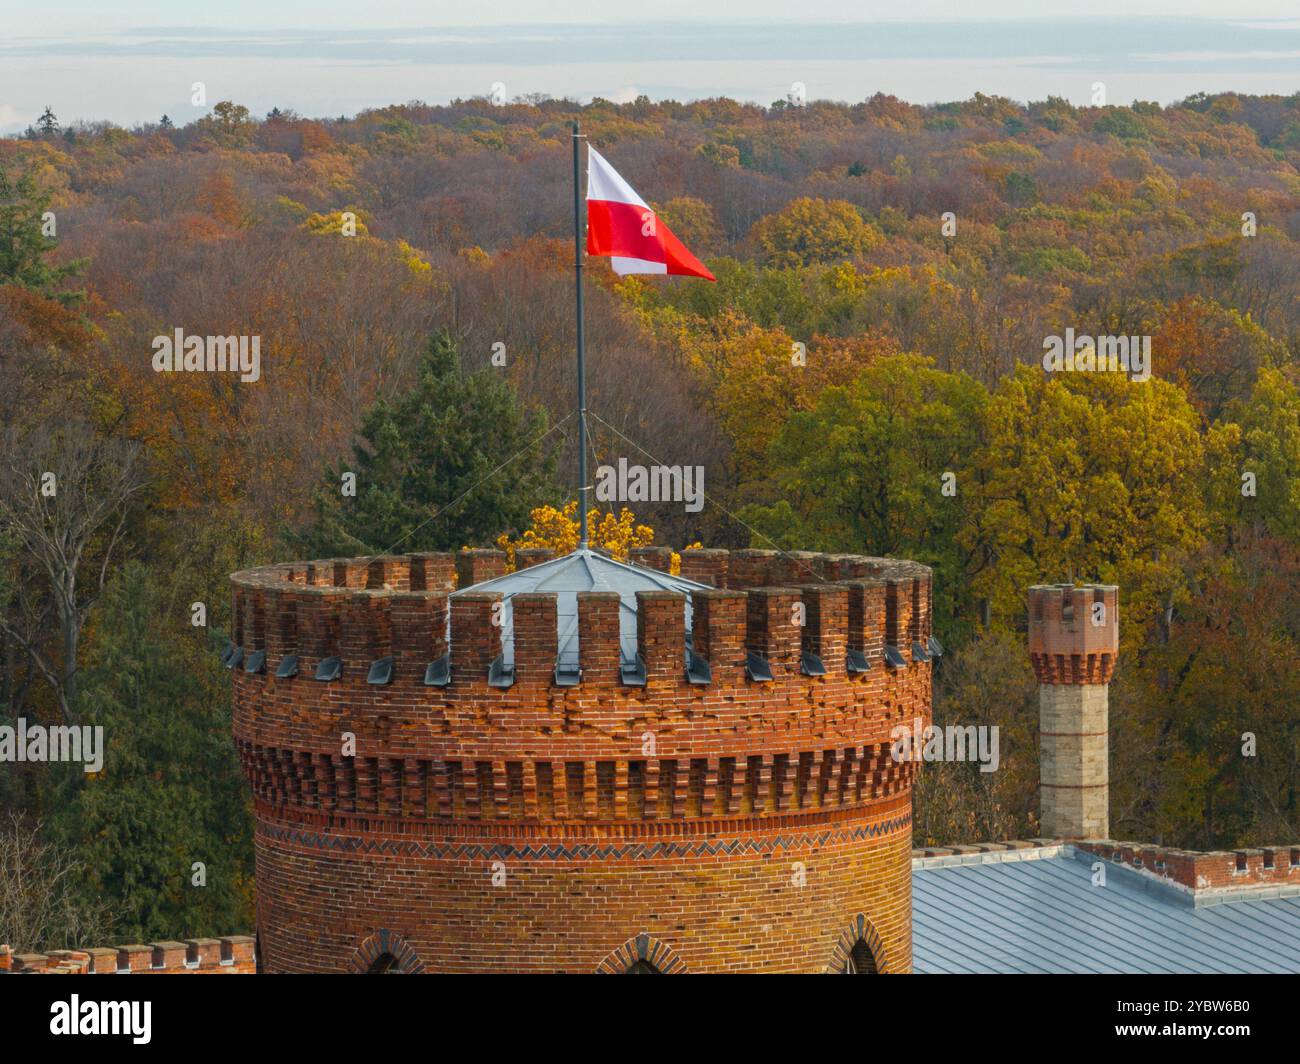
pixel 621 224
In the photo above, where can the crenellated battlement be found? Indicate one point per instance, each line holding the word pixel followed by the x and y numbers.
pixel 1073 632
pixel 357 612
pixel 233 954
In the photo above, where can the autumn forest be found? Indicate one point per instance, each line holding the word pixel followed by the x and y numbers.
pixel 866 375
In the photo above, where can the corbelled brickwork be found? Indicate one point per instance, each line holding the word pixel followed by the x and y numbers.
pixel 723 825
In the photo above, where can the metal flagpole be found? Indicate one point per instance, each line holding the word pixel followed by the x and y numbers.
pixel 582 370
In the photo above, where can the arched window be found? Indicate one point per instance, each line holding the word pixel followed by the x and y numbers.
pixel 385 964
pixel 385 953
pixel 859 950
pixel 642 955
pixel 861 960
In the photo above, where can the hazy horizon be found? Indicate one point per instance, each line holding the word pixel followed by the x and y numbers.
pixel 131 75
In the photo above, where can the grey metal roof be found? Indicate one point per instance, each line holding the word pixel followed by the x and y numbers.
pixel 582 570
pixel 1044 915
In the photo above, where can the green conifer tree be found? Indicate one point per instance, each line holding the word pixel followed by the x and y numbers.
pixel 454 462
pixel 23 243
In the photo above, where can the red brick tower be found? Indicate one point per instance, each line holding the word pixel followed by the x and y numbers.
pixel 726 804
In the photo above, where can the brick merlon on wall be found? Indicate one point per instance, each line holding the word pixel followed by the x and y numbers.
pixel 365 609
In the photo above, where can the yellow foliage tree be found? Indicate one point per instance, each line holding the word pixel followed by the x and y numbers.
pixel 693 222
pixel 332 223
pixel 809 230
pixel 558 530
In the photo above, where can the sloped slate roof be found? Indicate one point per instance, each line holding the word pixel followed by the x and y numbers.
pixel 582 570
pixel 1043 914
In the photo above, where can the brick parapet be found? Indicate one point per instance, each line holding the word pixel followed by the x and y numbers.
pixel 231 955
pixel 296 609
pixel 1220 870
pixel 600 718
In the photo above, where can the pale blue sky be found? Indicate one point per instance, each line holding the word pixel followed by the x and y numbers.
pixel 80 16
pixel 129 61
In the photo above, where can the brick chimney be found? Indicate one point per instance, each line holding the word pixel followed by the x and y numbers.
pixel 1073 643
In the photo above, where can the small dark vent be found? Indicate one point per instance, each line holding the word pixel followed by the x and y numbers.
pixel 329 669
pixel 695 786
pixel 500 674
pixel 757 668
pixel 633 672
pixel 515 788
pixel 726 783
pixel 667 788
pixel 438 673
pixel 545 790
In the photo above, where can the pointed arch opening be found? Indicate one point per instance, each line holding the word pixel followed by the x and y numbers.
pixel 385 953
pixel 859 951
pixel 642 955
pixel 861 960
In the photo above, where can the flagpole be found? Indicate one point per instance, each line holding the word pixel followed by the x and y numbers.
pixel 582 369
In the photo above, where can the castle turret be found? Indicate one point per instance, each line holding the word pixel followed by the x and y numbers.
pixel 581 765
pixel 1073 643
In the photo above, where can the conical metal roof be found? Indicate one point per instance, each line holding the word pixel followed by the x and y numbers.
pixel 583 570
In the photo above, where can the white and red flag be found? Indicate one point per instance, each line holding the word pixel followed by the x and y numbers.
pixel 622 225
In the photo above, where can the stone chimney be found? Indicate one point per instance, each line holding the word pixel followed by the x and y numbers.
pixel 1073 643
